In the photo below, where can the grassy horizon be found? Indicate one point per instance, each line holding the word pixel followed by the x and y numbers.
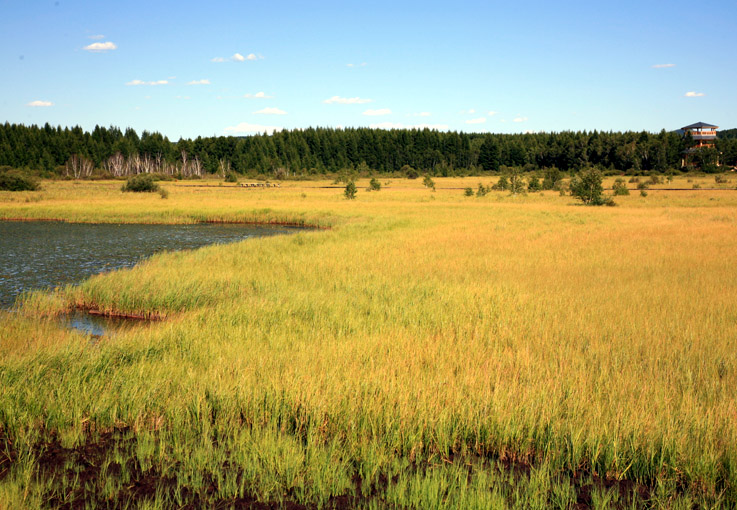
pixel 427 350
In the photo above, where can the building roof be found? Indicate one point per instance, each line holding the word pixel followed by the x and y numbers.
pixel 700 125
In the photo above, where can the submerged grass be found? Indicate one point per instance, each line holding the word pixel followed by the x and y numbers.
pixel 431 350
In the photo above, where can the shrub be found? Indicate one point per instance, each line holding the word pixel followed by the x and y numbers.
pixel 552 178
pixel 516 183
pixel 428 182
pixel 410 172
pixel 655 179
pixel 163 193
pixel 350 190
pixel 231 177
pixel 534 184
pixel 642 185
pixel 634 179
pixel 481 191
pixel 374 184
pixel 720 179
pixel 468 192
pixel 620 188
pixel 140 183
pixel 502 184
pixel 587 187
pixel 643 192
pixel 14 180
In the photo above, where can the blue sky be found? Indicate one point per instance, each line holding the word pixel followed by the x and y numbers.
pixel 187 69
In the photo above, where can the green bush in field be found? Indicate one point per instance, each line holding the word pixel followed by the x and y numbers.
pixel 428 182
pixel 534 184
pixel 14 180
pixel 587 187
pixel 140 183
pixel 350 191
pixel 231 177
pixel 374 184
pixel 468 192
pixel 620 187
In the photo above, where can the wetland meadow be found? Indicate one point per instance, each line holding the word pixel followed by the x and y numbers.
pixel 419 349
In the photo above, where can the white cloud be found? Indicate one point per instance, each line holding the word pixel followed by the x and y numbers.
pixel 480 120
pixel 199 82
pixel 183 97
pixel 346 100
pixel 258 95
pixel 398 125
pixel 101 46
pixel 95 37
pixel 237 57
pixel 663 66
pixel 245 127
pixel 140 82
pixel 271 111
pixel 40 103
pixel 520 119
pixel 492 113
pixel 380 111
pixel 694 94
pixel 470 111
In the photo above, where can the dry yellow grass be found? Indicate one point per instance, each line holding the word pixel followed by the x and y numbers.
pixel 423 329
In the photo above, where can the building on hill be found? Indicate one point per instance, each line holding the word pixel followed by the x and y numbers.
pixel 703 135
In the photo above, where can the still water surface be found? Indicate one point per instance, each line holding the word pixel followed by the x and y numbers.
pixel 37 255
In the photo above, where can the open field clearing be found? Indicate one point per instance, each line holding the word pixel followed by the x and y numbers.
pixel 423 349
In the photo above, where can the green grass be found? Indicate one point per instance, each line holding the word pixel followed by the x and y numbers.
pixel 430 350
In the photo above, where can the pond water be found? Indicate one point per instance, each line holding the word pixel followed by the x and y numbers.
pixel 46 254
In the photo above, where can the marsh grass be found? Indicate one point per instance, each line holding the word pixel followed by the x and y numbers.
pixel 505 352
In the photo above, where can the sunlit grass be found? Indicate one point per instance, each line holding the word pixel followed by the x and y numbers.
pixel 420 340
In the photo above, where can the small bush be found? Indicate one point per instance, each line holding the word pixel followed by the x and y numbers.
pixel 374 184
pixel 552 178
pixel 620 188
pixel 140 183
pixel 468 192
pixel 231 177
pixel 642 185
pixel 634 179
pixel 720 179
pixel 350 191
pixel 428 182
pixel 502 184
pixel 163 193
pixel 586 186
pixel 655 179
pixel 410 172
pixel 13 180
pixel 643 192
pixel 533 184
pixel 481 191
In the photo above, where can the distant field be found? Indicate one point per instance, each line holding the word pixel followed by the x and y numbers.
pixel 423 350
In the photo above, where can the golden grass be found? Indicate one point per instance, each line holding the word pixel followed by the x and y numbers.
pixel 423 336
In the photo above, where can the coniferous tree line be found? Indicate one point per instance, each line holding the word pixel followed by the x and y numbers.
pixel 317 151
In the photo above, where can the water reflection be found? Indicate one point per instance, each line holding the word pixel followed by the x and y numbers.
pixel 38 255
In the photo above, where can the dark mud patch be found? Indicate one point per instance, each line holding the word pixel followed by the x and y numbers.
pixel 76 477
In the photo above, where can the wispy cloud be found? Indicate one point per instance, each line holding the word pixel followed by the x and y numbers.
pixel 199 82
pixel 399 125
pixel 237 57
pixel 271 111
pixel 519 119
pixel 694 94
pixel 258 95
pixel 380 111
pixel 479 120
pixel 101 46
pixel 246 127
pixel 96 37
pixel 140 82
pixel 40 103
pixel 492 113
pixel 663 66
pixel 346 100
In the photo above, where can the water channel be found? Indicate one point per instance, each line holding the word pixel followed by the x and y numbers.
pixel 47 254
